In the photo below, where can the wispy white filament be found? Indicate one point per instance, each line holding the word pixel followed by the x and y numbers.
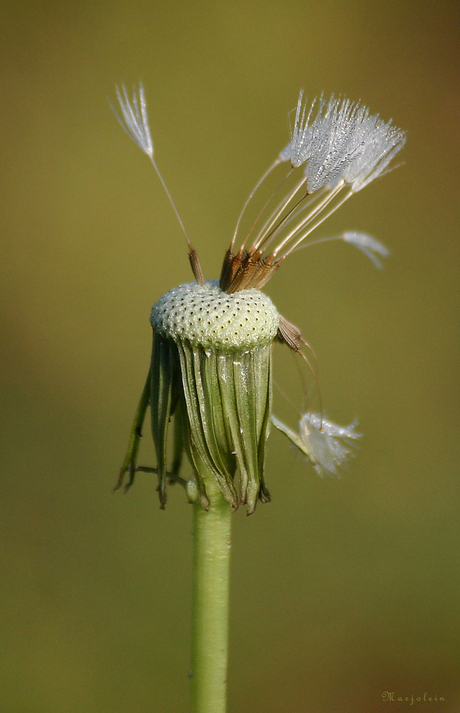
pixel 368 245
pixel 134 118
pixel 342 141
pixel 341 149
pixel 135 122
pixel 381 142
pixel 328 445
pixel 325 444
pixel 298 151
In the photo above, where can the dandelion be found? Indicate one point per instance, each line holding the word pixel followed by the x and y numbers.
pixel 209 386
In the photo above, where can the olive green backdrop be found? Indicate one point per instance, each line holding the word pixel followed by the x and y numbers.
pixel 341 589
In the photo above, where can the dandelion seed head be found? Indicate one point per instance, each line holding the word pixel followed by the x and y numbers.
pixel 213 339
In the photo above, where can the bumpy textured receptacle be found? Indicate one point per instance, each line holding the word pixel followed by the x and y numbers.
pixel 212 370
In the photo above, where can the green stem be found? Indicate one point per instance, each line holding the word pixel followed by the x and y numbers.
pixel 210 603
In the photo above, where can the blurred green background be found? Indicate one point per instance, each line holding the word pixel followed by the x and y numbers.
pixel 341 589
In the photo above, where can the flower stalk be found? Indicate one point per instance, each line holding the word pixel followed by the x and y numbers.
pixel 211 565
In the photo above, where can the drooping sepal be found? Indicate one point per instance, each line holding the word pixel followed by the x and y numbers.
pixel 130 461
pixel 228 398
pixel 165 390
pixel 209 442
pixel 246 401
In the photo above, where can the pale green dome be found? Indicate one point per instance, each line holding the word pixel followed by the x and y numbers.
pixel 212 319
